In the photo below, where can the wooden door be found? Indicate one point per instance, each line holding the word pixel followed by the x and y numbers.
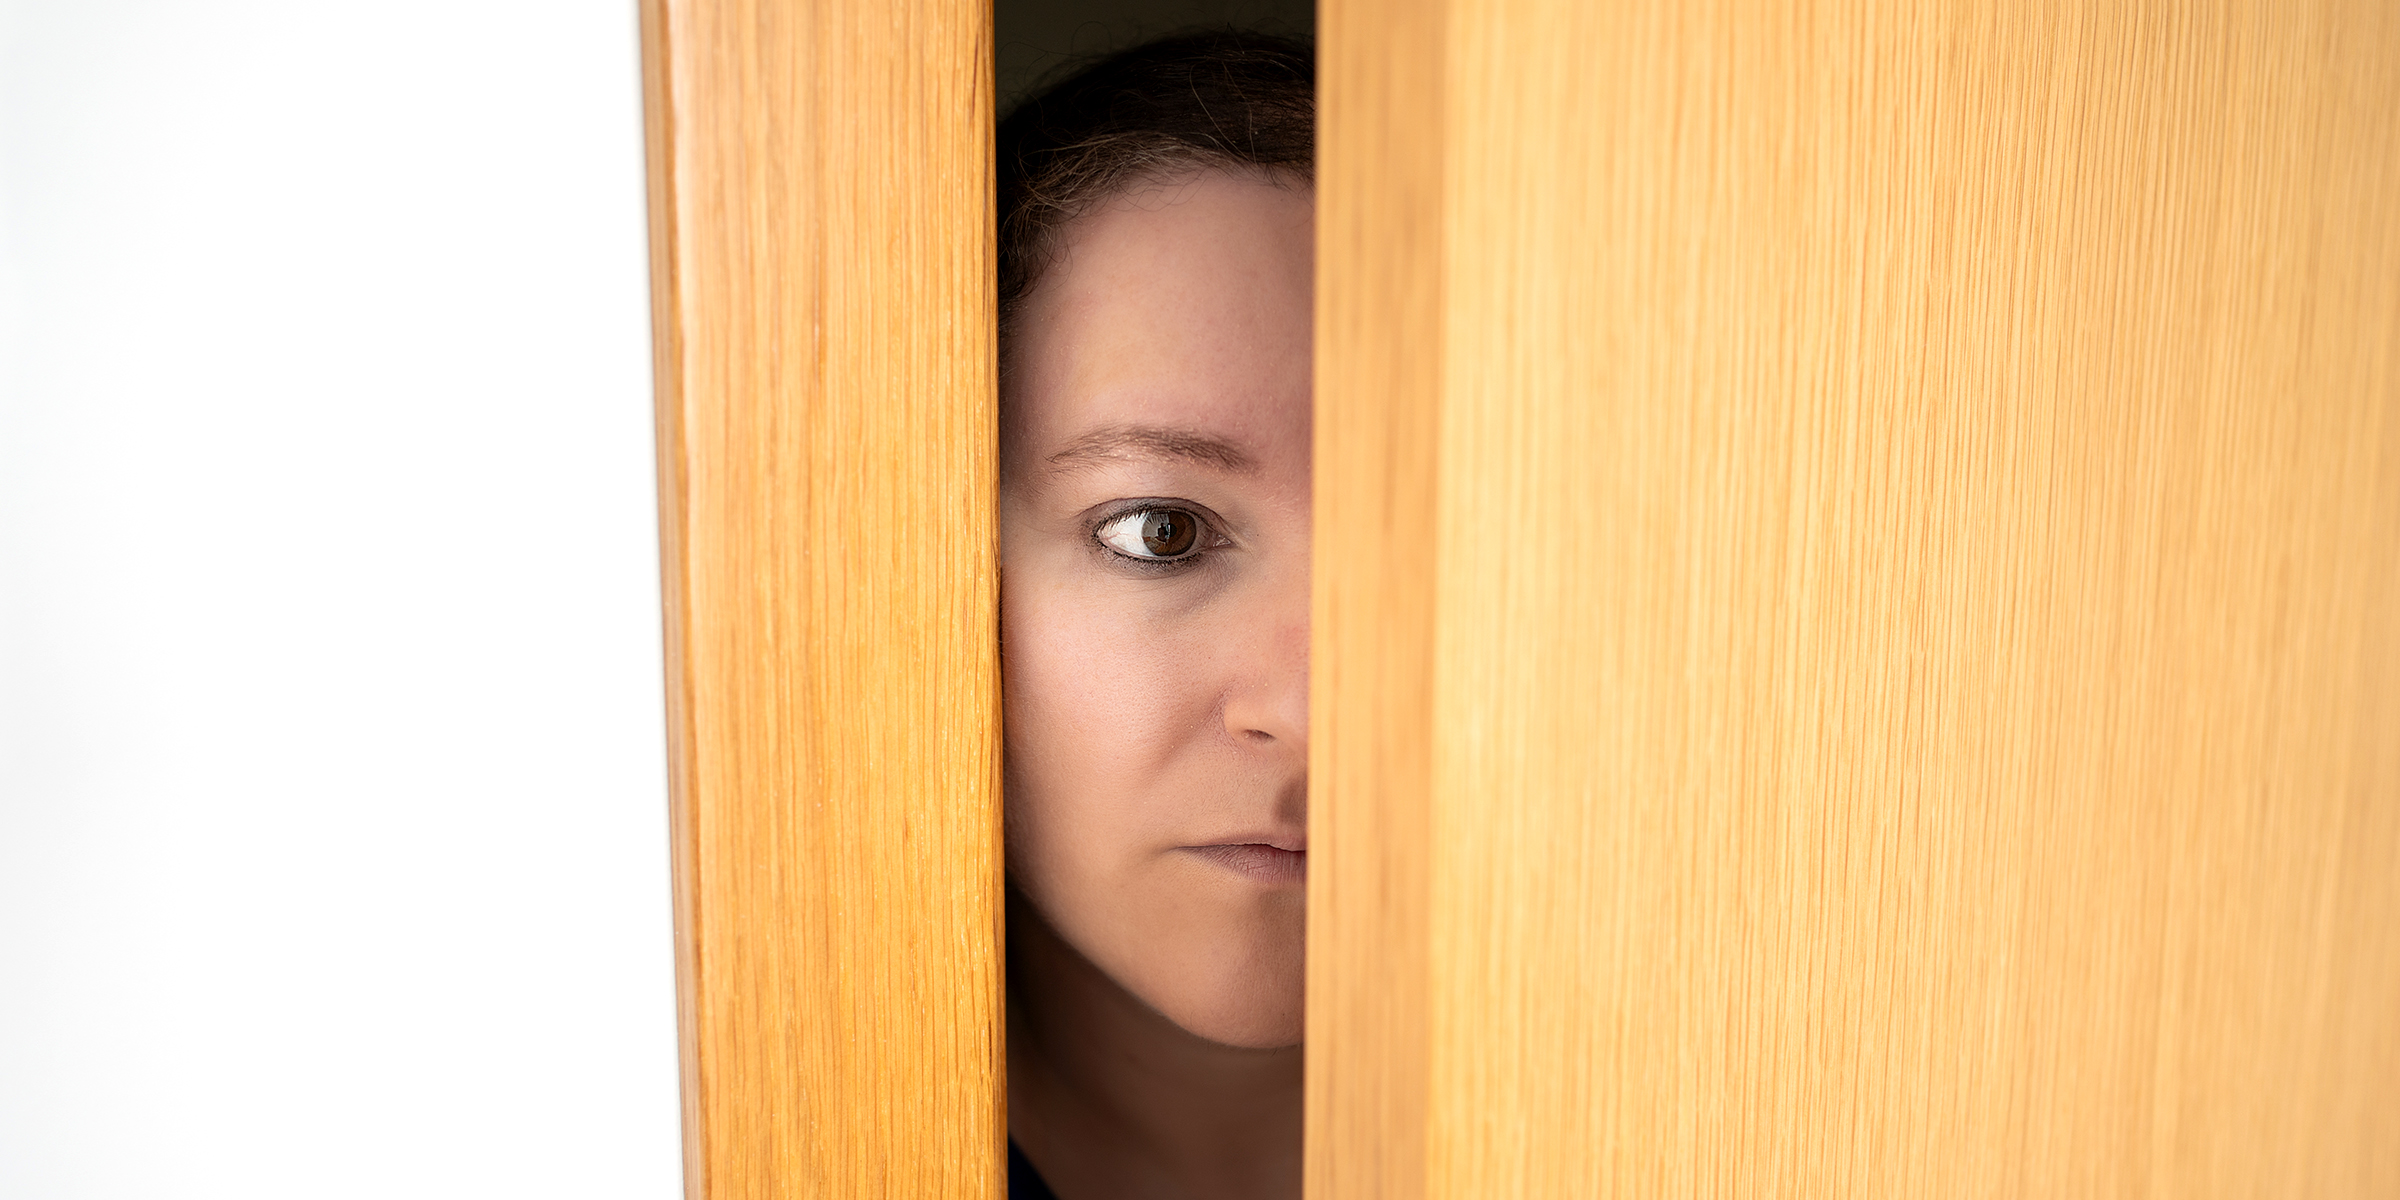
pixel 1858 599
pixel 821 186
pixel 1858 618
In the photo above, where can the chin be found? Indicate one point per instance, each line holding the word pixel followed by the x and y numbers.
pixel 1258 1008
pixel 1244 1026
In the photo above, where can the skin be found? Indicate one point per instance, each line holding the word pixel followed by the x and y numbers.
pixel 1156 714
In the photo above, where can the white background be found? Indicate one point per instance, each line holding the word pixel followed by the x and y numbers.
pixel 332 805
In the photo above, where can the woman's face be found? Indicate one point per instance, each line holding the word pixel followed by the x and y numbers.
pixel 1154 550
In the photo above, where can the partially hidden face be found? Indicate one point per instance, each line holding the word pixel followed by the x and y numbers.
pixel 1154 526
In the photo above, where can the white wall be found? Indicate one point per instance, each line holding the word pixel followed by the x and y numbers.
pixel 332 804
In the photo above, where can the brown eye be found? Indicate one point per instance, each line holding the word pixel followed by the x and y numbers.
pixel 1153 533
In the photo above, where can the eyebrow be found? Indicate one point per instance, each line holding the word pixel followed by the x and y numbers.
pixel 1119 442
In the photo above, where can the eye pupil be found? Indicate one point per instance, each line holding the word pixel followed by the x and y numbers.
pixel 1168 532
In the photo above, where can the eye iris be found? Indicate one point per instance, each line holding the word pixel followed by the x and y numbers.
pixel 1168 532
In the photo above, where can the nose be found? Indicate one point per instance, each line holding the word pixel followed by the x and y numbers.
pixel 1266 698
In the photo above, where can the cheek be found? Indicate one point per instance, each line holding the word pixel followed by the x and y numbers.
pixel 1102 705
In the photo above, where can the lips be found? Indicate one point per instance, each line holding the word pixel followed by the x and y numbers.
pixel 1263 861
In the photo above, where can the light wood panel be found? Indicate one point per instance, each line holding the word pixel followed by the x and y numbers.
pixel 1858 632
pixel 821 230
pixel 1379 322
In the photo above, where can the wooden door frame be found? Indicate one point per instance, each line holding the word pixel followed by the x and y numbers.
pixel 821 209
pixel 822 280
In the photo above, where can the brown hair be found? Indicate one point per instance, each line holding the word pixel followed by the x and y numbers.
pixel 1220 99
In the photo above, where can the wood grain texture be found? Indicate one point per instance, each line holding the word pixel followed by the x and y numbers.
pixel 1378 392
pixel 822 257
pixel 1870 661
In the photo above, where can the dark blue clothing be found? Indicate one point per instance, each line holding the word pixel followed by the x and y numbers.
pixel 1025 1183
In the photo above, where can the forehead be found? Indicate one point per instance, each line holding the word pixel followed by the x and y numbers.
pixel 1184 304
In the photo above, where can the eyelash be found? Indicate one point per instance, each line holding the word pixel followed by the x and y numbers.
pixel 1206 541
